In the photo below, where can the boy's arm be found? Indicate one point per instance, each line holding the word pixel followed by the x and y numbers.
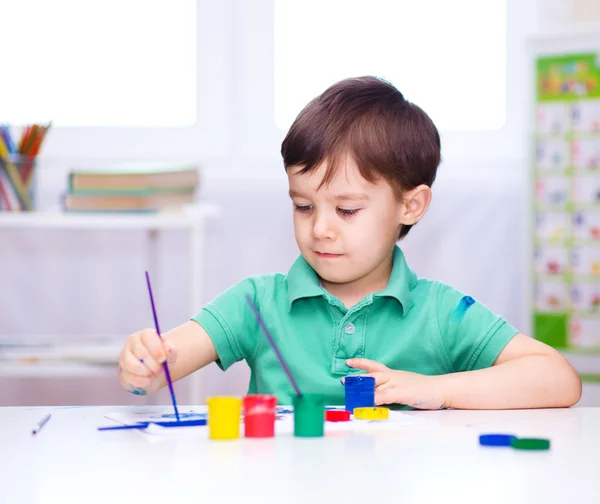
pixel 194 348
pixel 526 374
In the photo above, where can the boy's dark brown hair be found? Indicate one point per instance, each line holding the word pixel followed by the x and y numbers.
pixel 369 119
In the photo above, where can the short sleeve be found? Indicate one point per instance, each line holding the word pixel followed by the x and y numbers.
pixel 472 334
pixel 230 323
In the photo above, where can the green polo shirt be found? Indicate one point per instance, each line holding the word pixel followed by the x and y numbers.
pixel 413 324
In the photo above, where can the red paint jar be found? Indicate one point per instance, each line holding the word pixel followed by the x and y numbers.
pixel 259 415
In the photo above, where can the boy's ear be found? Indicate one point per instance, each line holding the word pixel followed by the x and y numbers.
pixel 415 204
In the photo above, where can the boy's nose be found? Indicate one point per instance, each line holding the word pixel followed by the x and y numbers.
pixel 322 228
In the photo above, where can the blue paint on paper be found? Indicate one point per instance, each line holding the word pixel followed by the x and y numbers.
pixel 192 415
pixel 459 312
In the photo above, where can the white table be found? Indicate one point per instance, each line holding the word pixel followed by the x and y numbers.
pixel 72 361
pixel 69 461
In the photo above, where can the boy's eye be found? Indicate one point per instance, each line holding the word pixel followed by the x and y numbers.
pixel 347 212
pixel 302 208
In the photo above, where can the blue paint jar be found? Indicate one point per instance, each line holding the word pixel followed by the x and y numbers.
pixel 360 392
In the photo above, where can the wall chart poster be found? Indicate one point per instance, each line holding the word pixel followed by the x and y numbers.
pixel 566 276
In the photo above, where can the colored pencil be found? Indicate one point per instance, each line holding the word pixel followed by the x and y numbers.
pixel 5 131
pixel 261 323
pixel 3 193
pixel 165 366
pixel 32 153
pixel 40 424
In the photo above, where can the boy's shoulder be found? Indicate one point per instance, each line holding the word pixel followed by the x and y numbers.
pixel 434 290
pixel 260 286
pixel 443 298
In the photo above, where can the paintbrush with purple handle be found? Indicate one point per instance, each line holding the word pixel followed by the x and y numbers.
pixel 165 366
pixel 261 323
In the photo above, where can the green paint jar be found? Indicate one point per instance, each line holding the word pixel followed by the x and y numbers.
pixel 309 415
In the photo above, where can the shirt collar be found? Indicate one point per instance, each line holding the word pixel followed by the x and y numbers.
pixel 402 281
pixel 303 282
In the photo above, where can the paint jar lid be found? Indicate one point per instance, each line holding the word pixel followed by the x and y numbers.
pixel 496 439
pixel 337 415
pixel 259 403
pixel 530 444
pixel 375 413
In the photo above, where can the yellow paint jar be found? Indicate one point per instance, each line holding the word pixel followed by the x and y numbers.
pixel 375 413
pixel 224 415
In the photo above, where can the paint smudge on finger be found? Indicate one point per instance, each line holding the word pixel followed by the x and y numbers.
pixel 136 390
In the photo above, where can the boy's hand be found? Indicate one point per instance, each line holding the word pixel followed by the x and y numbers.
pixel 403 387
pixel 140 365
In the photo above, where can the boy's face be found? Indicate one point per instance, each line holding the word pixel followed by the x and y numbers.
pixel 345 230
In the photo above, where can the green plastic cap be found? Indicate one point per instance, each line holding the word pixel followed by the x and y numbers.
pixel 530 444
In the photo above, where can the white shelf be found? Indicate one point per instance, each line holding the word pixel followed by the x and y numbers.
pixel 59 359
pixel 63 359
pixel 183 219
pixel 56 369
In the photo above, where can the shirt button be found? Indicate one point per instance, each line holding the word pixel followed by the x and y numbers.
pixel 350 328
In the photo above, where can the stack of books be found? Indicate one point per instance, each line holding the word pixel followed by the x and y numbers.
pixel 133 187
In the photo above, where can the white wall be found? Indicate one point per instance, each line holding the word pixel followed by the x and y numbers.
pixel 474 237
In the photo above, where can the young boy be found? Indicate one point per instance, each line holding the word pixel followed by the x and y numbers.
pixel 360 160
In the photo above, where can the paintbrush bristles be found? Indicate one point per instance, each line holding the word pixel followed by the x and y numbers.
pixel 261 323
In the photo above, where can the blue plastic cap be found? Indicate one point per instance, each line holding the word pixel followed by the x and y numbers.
pixel 496 439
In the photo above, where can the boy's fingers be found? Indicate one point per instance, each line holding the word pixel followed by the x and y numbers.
pixel 153 342
pixel 131 380
pixel 387 396
pixel 133 365
pixel 171 352
pixel 368 365
pixel 142 354
pixel 380 378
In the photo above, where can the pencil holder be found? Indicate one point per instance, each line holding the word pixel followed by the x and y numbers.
pixel 224 417
pixel 17 183
pixel 259 415
pixel 309 415
pixel 359 392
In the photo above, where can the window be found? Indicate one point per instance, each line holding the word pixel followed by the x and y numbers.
pixel 448 57
pixel 127 63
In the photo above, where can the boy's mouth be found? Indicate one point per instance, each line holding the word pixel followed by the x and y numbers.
pixel 326 255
